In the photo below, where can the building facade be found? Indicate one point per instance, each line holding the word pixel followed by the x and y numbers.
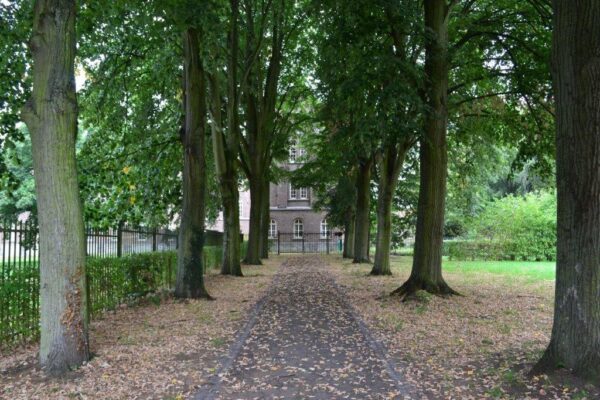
pixel 291 208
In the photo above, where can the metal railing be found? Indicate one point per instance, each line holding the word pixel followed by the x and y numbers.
pixel 19 268
pixel 305 243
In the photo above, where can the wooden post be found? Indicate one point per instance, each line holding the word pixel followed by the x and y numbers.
pixel 154 244
pixel 278 242
pixel 327 241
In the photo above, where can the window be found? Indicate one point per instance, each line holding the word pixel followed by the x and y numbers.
pixel 273 229
pixel 296 152
pixel 304 193
pixel 293 193
pixel 324 229
pixel 298 228
pixel 293 152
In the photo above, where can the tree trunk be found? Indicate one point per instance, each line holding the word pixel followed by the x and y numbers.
pixel 575 340
pixel 256 210
pixel 231 224
pixel 266 220
pixel 362 222
pixel 427 262
pixel 190 271
pixel 389 171
pixel 51 116
pixel 349 236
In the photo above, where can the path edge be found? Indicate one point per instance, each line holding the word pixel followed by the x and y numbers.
pixel 208 390
pixel 404 388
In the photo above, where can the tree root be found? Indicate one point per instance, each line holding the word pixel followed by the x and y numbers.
pixel 587 368
pixel 413 285
pixel 379 272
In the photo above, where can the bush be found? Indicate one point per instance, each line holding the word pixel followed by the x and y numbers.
pixel 511 228
pixel 112 281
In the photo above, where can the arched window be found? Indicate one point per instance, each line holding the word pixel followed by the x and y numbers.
pixel 298 228
pixel 324 229
pixel 273 229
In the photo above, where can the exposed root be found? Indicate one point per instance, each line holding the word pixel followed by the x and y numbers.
pixel 412 286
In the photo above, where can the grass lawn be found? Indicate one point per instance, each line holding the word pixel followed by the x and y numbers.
pixel 534 271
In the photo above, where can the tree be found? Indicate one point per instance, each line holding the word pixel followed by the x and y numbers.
pixel 190 268
pixel 51 116
pixel 575 340
pixel 260 101
pixel 226 141
pixel 272 93
pixel 426 271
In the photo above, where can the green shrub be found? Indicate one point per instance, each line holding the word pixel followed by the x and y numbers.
pixel 19 289
pixel 511 228
pixel 112 281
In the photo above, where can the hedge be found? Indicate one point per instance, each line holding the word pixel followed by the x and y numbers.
pixel 111 281
pixel 511 228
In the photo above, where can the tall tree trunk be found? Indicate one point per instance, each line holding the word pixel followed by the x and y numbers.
pixel 261 112
pixel 427 261
pixel 256 210
pixel 575 340
pixel 190 271
pixel 231 235
pixel 349 236
pixel 390 166
pixel 51 116
pixel 266 220
pixel 362 224
pixel 226 148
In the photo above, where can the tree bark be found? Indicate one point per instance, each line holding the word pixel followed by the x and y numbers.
pixel 427 261
pixel 575 340
pixel 51 116
pixel 349 236
pixel 231 232
pixel 266 220
pixel 253 252
pixel 190 270
pixel 390 166
pixel 362 221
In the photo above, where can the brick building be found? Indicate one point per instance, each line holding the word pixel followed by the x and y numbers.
pixel 291 207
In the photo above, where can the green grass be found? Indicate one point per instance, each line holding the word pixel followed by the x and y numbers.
pixel 530 270
pixel 536 271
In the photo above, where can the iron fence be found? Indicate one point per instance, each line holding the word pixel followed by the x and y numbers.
pixel 305 243
pixel 19 268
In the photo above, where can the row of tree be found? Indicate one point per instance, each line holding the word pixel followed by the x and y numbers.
pixel 390 80
pixel 221 70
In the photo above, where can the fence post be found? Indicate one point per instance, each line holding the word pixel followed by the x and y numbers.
pixel 278 242
pixel 302 242
pixel 154 245
pixel 119 240
pixel 327 241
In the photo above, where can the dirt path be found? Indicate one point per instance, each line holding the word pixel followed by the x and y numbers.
pixel 304 341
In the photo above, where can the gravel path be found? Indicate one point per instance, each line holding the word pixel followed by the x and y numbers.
pixel 304 341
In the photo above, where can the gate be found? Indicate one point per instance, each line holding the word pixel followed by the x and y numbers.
pixel 307 243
